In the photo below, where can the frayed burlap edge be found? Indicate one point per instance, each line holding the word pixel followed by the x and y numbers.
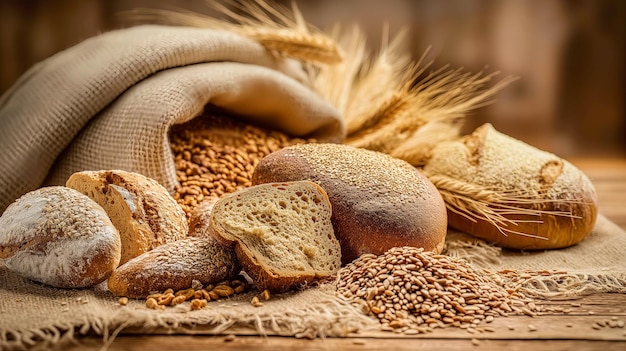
pixel 596 265
pixel 310 313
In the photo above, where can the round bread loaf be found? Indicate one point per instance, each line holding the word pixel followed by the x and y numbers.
pixel 378 202
pixel 145 214
pixel 175 265
pixel 60 237
pixel 535 200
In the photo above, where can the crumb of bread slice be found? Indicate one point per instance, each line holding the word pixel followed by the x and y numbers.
pixel 282 233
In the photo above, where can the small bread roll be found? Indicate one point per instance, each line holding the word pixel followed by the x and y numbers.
pixel 378 202
pixel 145 214
pixel 174 265
pixel 534 199
pixel 60 237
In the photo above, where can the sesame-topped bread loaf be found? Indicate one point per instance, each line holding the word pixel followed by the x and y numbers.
pixel 379 202
pixel 60 237
pixel 510 193
pixel 281 233
pixel 175 265
pixel 145 214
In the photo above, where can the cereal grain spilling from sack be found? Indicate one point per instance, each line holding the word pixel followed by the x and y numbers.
pixel 216 154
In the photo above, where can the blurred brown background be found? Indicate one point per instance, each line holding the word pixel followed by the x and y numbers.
pixel 570 55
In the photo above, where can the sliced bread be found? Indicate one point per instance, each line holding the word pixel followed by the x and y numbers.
pixel 379 202
pixel 282 233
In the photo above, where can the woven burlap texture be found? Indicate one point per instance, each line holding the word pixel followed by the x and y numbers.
pixel 35 314
pixel 108 102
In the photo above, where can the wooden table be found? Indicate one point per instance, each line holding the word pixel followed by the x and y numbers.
pixel 609 178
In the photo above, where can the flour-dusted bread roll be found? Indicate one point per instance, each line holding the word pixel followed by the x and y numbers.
pixel 60 237
pixel 175 265
pixel 379 202
pixel 512 194
pixel 145 214
pixel 281 232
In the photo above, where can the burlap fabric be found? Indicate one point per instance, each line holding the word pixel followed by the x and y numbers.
pixel 109 101
pixel 35 314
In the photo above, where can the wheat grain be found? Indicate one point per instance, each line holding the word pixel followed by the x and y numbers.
pixel 408 288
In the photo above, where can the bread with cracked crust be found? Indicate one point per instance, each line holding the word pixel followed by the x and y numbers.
pixel 145 214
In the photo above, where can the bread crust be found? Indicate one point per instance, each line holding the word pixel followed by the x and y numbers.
pixel 489 159
pixel 175 265
pixel 60 237
pixel 145 214
pixel 369 215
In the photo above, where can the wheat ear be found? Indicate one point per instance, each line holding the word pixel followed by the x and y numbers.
pixel 475 202
pixel 443 97
pixel 278 28
pixel 335 82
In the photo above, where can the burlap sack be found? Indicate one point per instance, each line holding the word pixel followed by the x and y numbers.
pixel 109 101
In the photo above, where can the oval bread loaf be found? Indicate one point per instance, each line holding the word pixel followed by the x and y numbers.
pixel 175 265
pixel 378 202
pixel 281 232
pixel 60 237
pixel 536 200
pixel 145 214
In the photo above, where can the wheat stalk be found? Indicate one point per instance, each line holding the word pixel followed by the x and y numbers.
pixel 279 29
pixel 476 202
pixel 335 82
pixel 419 113
pixel 379 78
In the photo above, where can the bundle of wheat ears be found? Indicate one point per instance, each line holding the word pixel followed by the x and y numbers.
pixel 390 102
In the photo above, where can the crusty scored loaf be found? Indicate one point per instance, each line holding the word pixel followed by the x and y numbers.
pixel 145 214
pixel 553 202
pixel 281 232
pixel 60 237
pixel 379 202
pixel 175 265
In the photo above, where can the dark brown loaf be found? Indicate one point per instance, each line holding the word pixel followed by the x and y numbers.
pixel 60 237
pixel 379 202
pixel 553 202
pixel 174 265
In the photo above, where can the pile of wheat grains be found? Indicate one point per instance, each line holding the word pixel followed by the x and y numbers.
pixel 412 291
pixel 215 154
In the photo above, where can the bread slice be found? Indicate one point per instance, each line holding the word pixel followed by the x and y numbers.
pixel 145 214
pixel 282 233
pixel 175 265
